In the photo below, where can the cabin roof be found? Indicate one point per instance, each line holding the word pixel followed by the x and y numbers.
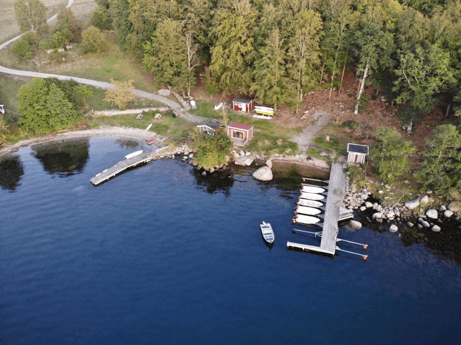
pixel 242 100
pixel 240 126
pixel 210 123
pixel 356 148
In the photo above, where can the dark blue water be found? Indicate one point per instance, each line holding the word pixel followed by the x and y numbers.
pixel 160 255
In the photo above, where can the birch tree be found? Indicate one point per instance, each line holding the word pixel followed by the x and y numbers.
pixel 30 15
pixel 421 74
pixel 375 46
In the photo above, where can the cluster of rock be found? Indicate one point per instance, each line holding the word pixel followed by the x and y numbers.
pixel 243 158
pixel 264 173
pixel 398 212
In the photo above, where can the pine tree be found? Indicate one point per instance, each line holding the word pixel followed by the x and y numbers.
pixel 390 155
pixel 233 53
pixel 269 71
pixel 440 169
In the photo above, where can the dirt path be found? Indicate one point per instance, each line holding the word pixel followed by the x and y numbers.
pixel 319 119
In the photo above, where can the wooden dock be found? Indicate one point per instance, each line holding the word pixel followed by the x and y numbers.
pixel 335 198
pixel 127 163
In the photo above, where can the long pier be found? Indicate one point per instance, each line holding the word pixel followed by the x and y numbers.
pixel 335 198
pixel 127 163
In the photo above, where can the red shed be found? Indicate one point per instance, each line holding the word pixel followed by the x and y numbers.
pixel 241 104
pixel 240 134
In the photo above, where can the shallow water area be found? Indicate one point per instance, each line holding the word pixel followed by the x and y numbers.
pixel 161 254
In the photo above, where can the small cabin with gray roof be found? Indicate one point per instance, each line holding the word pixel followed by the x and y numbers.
pixel 241 104
pixel 356 153
pixel 209 126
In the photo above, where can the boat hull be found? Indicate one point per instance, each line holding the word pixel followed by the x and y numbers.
pixel 307 210
pixel 310 189
pixel 309 203
pixel 302 219
pixel 267 232
pixel 311 196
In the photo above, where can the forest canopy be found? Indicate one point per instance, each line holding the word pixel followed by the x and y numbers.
pixel 280 50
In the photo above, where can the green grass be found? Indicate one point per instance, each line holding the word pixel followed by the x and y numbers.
pixel 206 109
pixel 270 144
pixel 175 128
pixel 9 88
pixel 96 101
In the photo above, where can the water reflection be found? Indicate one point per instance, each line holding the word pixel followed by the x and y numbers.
pixel 63 158
pixel 222 181
pixel 11 171
pixel 128 143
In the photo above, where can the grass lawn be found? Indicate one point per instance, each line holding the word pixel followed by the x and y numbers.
pixel 175 128
pixel 9 88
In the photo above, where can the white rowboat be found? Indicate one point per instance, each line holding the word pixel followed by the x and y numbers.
pixel 310 189
pixel 267 232
pixel 307 210
pixel 311 196
pixel 302 219
pixel 134 154
pixel 309 203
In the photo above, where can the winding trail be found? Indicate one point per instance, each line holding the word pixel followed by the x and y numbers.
pixel 99 84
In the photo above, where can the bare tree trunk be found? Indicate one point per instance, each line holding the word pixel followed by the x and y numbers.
pixel 448 110
pixel 359 94
pixel 342 77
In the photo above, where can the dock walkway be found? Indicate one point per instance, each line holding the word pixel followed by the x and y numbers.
pixel 335 197
pixel 128 163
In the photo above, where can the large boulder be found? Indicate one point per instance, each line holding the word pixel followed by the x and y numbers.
pixel 269 163
pixel 263 174
pixel 355 224
pixel 432 213
pixel 424 199
pixel 412 204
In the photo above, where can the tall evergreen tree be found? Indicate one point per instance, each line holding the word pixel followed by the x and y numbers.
pixel 440 169
pixel 304 51
pixel 233 53
pixel 270 70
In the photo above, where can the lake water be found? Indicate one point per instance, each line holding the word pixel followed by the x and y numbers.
pixel 161 255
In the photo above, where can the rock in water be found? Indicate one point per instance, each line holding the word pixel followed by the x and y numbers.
pixel 263 174
pixel 269 163
pixel 436 228
pixel 432 213
pixel 393 228
pixel 448 213
pixel 412 204
pixel 355 224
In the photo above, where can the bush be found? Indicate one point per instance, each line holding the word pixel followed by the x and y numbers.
pixel 212 150
pixel 93 40
pixel 100 18
pixel 21 48
pixel 350 124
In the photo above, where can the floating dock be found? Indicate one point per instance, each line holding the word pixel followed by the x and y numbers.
pixel 130 161
pixel 335 198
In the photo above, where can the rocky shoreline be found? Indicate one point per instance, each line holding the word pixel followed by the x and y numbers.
pixel 418 213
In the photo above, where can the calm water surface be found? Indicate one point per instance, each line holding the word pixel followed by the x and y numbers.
pixel 160 255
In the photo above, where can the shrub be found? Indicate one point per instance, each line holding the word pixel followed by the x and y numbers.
pixel 212 150
pixel 21 47
pixel 100 18
pixel 93 40
pixel 350 124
